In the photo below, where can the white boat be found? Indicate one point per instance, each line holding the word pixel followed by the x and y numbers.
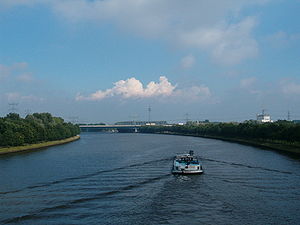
pixel 187 164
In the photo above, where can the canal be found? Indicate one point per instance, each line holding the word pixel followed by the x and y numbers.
pixel 107 178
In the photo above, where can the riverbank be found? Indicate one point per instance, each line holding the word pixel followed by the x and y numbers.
pixel 267 144
pixel 32 147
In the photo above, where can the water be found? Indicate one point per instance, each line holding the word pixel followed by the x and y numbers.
pixel 125 179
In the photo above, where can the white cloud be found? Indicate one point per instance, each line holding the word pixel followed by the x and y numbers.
pixel 12 96
pixel 194 93
pixel 163 88
pixel 188 61
pixel 19 66
pixel 227 44
pixel 282 39
pixel 16 72
pixel 197 24
pixel 133 88
pixel 15 96
pixel 290 88
pixel 193 24
pixel 247 82
pixel 6 71
pixel 25 77
pixel 12 3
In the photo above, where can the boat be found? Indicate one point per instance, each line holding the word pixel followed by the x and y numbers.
pixel 187 164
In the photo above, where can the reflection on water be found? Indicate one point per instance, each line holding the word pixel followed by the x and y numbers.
pixel 126 179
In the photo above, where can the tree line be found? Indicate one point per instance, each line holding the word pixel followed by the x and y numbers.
pixel 279 131
pixel 34 128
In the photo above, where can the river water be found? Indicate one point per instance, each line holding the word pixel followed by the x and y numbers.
pixel 125 179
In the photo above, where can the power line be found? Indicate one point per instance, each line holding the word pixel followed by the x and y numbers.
pixel 13 107
pixel 134 118
pixel 149 113
pixel 73 119
pixel 27 112
pixel 186 117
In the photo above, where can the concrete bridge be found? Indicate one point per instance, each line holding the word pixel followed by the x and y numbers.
pixel 112 128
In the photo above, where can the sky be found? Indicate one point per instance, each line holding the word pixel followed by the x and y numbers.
pixel 94 61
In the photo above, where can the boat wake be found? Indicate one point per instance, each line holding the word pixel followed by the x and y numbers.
pixel 72 192
pixel 247 166
pixel 85 176
pixel 42 213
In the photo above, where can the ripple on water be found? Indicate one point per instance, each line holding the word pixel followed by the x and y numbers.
pixel 138 187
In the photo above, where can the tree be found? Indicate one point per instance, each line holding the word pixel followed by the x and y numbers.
pixel 35 128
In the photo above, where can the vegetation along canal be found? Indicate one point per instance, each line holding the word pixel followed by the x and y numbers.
pixel 121 178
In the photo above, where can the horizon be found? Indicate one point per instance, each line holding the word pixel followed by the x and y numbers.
pixel 181 121
pixel 108 61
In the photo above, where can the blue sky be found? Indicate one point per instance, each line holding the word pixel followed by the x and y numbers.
pixel 109 60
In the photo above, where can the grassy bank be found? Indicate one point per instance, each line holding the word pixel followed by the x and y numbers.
pixel 31 147
pixel 267 144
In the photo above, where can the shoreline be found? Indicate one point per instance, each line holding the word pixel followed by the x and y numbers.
pixel 282 147
pixel 32 147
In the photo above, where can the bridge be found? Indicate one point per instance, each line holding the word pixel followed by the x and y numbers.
pixel 112 128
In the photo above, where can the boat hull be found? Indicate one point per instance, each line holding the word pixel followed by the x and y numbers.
pixel 185 172
pixel 186 164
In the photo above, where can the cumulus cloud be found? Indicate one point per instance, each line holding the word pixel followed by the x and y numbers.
pixel 193 24
pixel 133 88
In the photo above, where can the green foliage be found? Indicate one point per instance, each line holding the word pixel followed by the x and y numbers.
pixel 249 130
pixel 35 128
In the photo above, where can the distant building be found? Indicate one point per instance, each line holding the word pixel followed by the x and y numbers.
pixel 264 118
pixel 152 124
pixel 296 121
